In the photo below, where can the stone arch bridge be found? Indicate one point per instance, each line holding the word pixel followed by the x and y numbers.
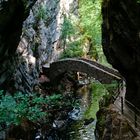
pixel 93 69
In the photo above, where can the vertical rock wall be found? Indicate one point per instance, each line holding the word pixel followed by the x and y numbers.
pixel 121 42
pixel 12 15
pixel 40 41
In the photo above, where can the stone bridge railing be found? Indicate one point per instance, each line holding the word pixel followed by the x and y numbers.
pixel 91 68
pixel 110 70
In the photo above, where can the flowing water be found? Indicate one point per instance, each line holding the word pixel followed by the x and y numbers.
pixel 83 128
pixel 80 127
pixel 81 121
pixel 79 131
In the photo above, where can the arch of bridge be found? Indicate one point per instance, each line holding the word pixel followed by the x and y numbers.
pixel 91 68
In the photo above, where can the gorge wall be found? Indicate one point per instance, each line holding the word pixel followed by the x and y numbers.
pixel 38 36
pixel 121 42
pixel 12 15
pixel 41 40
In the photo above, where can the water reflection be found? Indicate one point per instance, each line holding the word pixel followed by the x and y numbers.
pixel 78 131
pixel 80 128
pixel 80 122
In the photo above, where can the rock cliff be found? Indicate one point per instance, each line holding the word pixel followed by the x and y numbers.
pixel 34 40
pixel 121 42
pixel 12 15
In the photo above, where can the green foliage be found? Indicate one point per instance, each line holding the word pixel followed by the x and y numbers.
pixel 73 49
pixel 42 13
pixel 100 91
pixel 71 45
pixel 33 107
pixel 90 23
pixel 90 19
pixel 14 109
pixel 97 92
pixel 87 30
pixel 67 28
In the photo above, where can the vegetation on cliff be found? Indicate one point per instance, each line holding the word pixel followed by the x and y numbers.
pixel 78 36
pixel 81 35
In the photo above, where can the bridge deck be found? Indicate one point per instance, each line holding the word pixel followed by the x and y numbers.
pixel 92 68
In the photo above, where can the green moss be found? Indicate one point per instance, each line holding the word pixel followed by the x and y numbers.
pixel 97 92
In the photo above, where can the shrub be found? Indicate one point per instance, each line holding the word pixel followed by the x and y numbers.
pixel 33 107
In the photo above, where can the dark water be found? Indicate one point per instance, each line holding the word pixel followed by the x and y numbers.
pixel 78 131
pixel 79 128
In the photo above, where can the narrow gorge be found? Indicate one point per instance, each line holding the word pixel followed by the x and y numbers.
pixel 64 66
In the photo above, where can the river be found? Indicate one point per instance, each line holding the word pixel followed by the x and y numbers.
pixel 82 128
pixel 81 121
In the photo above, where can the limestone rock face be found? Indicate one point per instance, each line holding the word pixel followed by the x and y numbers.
pixel 12 15
pixel 121 42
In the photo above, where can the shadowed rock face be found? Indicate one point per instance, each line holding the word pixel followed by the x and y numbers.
pixel 40 40
pixel 12 15
pixel 121 42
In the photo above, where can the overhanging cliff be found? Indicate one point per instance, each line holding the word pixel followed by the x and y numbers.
pixel 121 42
pixel 12 15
